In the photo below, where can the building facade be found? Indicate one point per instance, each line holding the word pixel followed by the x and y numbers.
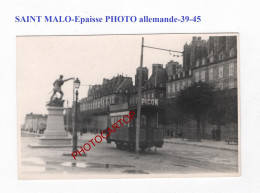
pixel 213 61
pixel 94 109
pixel 35 123
pixel 217 66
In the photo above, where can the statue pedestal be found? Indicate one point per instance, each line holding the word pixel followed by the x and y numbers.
pixel 55 134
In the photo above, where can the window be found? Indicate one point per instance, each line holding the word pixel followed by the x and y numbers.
pixel 145 96
pixel 183 85
pixel 173 87
pixel 202 75
pixel 169 88
pixel 211 59
pixel 152 95
pixel 220 85
pixel 203 61
pixel 221 56
pixel 161 95
pixel 197 76
pixel 197 63
pixel 148 96
pixel 113 100
pixel 189 82
pixel 220 71
pixel 231 84
pixel 231 69
pixel 211 74
pixel 143 120
pixel 178 87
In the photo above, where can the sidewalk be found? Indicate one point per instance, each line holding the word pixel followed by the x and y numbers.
pixel 204 143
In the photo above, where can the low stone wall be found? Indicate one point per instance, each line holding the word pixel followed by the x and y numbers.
pixel 229 131
pixel 28 134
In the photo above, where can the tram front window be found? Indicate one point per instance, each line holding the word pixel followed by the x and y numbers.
pixel 143 120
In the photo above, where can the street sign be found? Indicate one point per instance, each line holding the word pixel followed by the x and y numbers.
pixel 152 102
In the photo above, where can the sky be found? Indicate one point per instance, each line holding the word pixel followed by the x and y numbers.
pixel 41 59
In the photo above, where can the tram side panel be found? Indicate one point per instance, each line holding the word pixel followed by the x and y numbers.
pixel 127 133
pixel 122 134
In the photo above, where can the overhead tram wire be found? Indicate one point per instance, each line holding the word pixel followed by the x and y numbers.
pixel 162 49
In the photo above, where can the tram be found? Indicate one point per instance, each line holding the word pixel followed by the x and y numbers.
pixel 125 137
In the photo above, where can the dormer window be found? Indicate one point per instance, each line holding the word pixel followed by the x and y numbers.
pixel 221 56
pixel 232 52
pixel 211 59
pixel 203 61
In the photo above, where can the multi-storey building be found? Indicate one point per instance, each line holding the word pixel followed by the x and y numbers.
pixel 153 94
pixel 94 109
pixel 144 75
pixel 219 68
pixel 213 61
pixel 198 48
pixel 35 123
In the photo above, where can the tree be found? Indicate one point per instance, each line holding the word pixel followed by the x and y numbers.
pixel 224 107
pixel 173 114
pixel 195 101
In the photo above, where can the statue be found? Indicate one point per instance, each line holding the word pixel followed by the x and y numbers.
pixel 57 88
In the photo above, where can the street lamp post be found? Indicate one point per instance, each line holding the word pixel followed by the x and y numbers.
pixel 138 120
pixel 75 135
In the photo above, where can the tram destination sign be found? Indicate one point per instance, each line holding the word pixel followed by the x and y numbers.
pixel 153 102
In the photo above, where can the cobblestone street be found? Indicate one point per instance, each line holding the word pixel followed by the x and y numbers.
pixel 173 158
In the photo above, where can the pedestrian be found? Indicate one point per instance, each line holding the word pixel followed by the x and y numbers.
pixel 108 136
pixel 218 133
pixel 213 134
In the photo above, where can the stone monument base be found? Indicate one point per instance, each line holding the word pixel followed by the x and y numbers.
pixel 55 134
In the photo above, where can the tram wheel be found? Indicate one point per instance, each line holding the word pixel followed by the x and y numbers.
pixel 131 147
pixel 142 148
pixel 118 145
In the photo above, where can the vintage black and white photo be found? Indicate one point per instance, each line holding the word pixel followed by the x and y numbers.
pixel 126 106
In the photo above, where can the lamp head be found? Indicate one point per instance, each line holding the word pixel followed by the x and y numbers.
pixel 76 84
